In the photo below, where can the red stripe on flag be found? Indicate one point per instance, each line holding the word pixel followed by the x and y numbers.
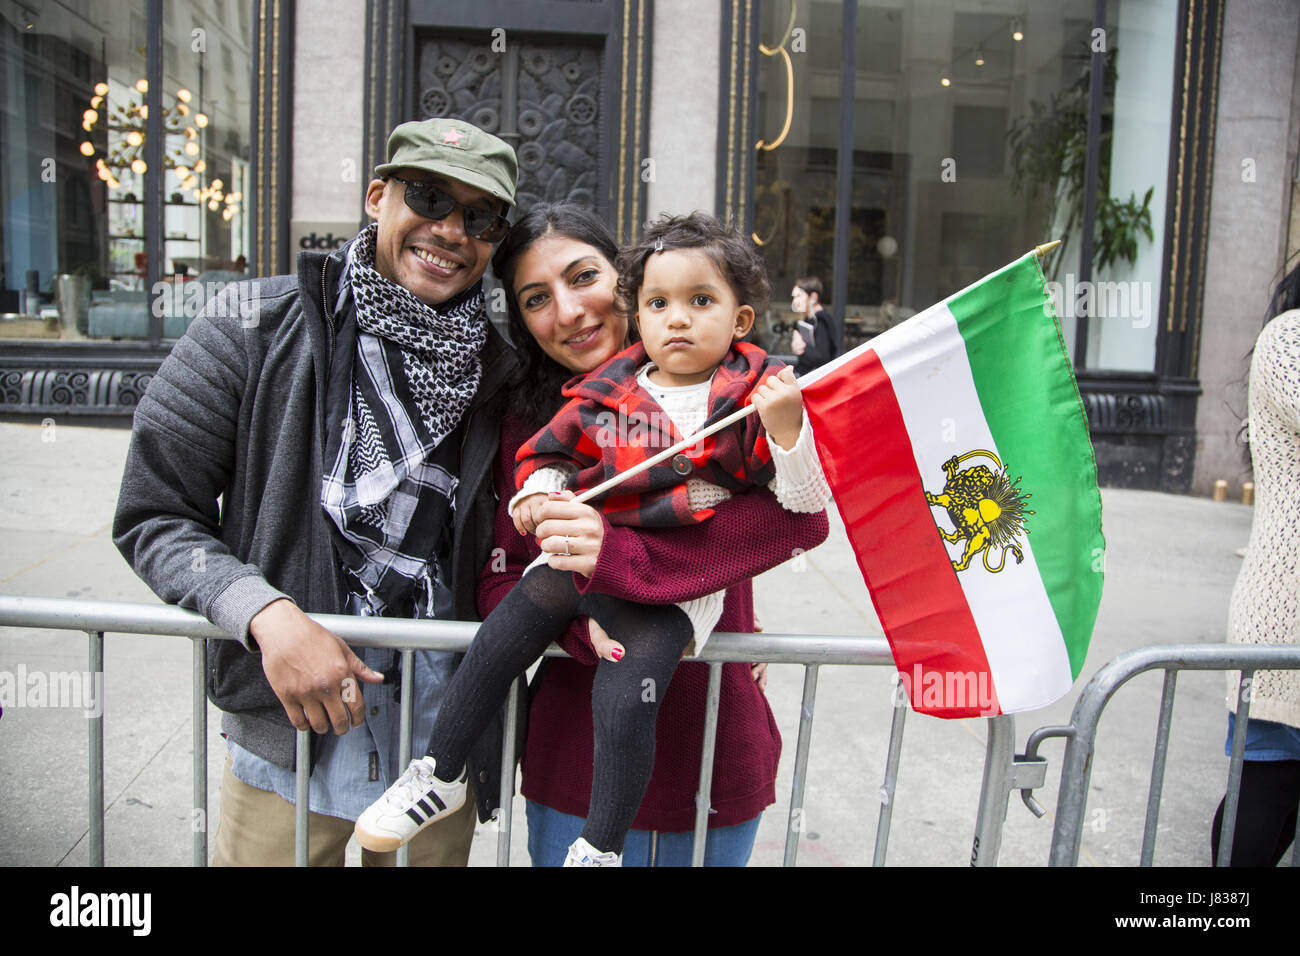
pixel 866 452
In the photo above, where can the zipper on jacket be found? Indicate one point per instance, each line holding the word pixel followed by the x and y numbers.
pixel 329 311
pixel 654 847
pixel 340 579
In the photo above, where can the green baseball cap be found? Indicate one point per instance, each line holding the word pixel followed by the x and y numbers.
pixel 457 150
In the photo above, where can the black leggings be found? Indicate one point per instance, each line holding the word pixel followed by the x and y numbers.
pixel 1266 813
pixel 625 695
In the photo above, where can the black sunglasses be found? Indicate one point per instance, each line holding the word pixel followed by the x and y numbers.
pixel 429 201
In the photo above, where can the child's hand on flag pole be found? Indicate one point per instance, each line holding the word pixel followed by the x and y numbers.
pixel 780 407
pixel 527 514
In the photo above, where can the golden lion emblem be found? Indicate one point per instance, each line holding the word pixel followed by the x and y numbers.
pixel 987 510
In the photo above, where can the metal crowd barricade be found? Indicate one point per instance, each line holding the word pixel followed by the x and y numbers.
pixel 1004 771
pixel 1081 733
pixel 98 617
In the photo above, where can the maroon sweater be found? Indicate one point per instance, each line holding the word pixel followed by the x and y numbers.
pixel 658 566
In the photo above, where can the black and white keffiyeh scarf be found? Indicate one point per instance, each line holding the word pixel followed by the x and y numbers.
pixel 403 375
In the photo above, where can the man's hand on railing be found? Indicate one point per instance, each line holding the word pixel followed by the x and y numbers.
pixel 310 669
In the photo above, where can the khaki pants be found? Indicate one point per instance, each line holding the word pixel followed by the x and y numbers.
pixel 256 828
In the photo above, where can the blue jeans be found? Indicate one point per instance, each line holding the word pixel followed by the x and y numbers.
pixel 550 833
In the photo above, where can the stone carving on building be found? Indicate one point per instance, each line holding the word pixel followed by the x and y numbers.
pixel 542 99
pixel 95 390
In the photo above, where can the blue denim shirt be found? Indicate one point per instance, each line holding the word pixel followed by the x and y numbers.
pixel 1265 740
pixel 353 771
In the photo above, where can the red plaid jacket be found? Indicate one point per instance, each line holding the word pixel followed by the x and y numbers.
pixel 611 424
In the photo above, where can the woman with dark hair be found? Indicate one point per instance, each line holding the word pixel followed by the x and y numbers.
pixel 1265 603
pixel 814 340
pixel 557 267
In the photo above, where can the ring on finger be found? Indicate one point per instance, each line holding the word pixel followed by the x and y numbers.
pixel 567 552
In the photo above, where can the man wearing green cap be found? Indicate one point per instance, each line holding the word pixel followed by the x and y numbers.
pixel 347 418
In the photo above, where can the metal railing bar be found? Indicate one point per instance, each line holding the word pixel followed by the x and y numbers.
pixel 1228 826
pixel 506 797
pixel 96 731
pixel 995 789
pixel 1156 788
pixel 888 788
pixel 397 633
pixel 99 617
pixel 1076 769
pixel 302 798
pixel 199 719
pixel 704 795
pixel 1046 733
pixel 404 722
pixel 795 824
pixel 1295 845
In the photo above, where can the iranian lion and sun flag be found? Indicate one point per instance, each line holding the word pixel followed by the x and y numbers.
pixel 957 448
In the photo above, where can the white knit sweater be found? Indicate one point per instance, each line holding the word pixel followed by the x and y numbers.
pixel 799 485
pixel 1265 604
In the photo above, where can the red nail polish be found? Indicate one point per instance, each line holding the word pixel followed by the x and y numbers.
pixel 617 653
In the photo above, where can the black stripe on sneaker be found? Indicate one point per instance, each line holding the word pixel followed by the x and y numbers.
pixel 414 816
pixel 428 810
pixel 435 798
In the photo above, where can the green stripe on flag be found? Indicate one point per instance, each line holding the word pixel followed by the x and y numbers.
pixel 1031 402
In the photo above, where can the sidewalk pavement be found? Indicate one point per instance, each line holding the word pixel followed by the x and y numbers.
pixel 1171 563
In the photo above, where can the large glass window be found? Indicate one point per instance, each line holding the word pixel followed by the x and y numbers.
pixel 207 161
pixel 73 134
pixel 1130 230
pixel 969 139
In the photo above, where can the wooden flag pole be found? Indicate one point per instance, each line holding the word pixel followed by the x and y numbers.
pixel 731 419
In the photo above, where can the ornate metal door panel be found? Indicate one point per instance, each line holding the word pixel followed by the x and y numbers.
pixel 565 82
pixel 543 99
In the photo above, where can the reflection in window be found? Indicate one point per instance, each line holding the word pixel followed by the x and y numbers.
pixel 968 137
pixel 74 176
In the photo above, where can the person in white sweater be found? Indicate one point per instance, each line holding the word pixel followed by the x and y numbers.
pixel 693 287
pixel 1265 603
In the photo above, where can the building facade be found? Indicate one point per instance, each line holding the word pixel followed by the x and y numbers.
pixel 897 149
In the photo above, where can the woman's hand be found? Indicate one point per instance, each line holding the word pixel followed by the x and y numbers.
pixel 571 533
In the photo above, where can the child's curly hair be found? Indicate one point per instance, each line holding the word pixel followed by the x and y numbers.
pixel 735 257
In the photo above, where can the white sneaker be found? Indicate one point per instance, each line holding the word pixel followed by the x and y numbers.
pixel 583 853
pixel 417 799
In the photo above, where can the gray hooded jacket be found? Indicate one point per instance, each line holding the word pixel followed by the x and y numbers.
pixel 237 412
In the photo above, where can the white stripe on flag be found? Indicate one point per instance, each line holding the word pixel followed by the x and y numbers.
pixel 1017 625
